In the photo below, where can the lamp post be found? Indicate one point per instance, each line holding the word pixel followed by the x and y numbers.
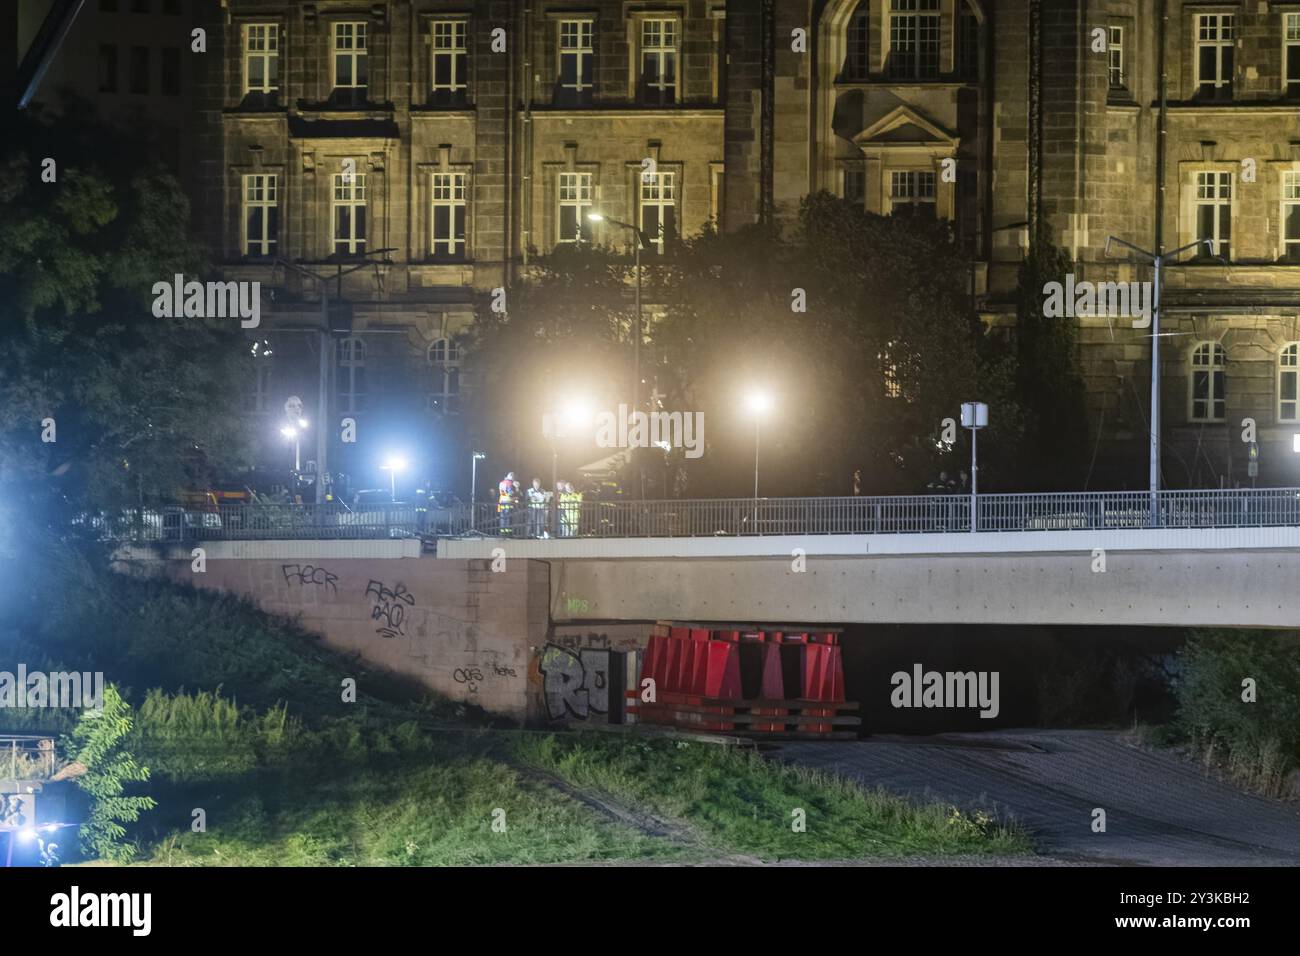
pixel 393 465
pixel 974 415
pixel 473 485
pixel 758 404
pixel 641 241
pixel 1157 260
pixel 293 434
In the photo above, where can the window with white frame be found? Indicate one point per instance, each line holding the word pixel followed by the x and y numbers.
pixel 448 215
pixel 913 39
pixel 857 55
pixel 261 214
pixel 911 191
pixel 1206 383
pixel 261 58
pixel 349 213
pixel 1115 58
pixel 450 58
pixel 1214 213
pixel 1214 41
pixel 659 208
pixel 576 58
pixel 659 61
pixel 1291 216
pixel 444 391
pixel 1288 378
pixel 574 195
pixel 350 57
pixel 1291 64
pixel 350 374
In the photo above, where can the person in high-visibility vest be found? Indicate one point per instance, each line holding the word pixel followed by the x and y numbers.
pixel 506 491
pixel 571 510
pixel 565 496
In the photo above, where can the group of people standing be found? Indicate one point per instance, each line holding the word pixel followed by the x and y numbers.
pixel 536 502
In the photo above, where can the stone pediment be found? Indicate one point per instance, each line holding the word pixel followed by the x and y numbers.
pixel 904 126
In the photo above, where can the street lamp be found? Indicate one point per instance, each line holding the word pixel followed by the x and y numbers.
pixel 293 432
pixel 758 404
pixel 1158 260
pixel 641 241
pixel 974 415
pixel 393 465
pixel 473 483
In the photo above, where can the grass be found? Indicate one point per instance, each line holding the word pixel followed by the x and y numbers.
pixel 744 803
pixel 239 714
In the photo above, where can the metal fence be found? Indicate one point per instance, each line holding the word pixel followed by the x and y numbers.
pixel 905 514
pixel 26 757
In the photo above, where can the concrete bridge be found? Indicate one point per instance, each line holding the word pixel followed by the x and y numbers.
pixel 543 628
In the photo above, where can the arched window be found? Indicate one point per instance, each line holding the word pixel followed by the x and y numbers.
pixel 1288 378
pixel 444 387
pixel 1205 386
pixel 857 47
pixel 350 355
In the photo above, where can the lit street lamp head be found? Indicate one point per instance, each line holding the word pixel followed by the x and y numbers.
pixel 289 432
pixel 758 403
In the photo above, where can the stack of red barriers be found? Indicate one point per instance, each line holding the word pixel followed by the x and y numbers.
pixel 744 680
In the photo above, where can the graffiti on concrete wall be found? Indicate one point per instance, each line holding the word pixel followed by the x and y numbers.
pixel 389 606
pixel 473 677
pixel 310 576
pixel 575 682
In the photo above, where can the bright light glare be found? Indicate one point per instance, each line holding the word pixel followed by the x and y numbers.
pixel 595 217
pixel 302 423
pixel 288 431
pixel 1295 443
pixel 758 402
pixel 27 834
pixel 573 414
pixel 395 463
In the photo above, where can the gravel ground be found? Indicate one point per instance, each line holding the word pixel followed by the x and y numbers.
pixel 1160 809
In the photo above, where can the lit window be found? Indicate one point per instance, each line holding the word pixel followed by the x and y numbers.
pixel 857 59
pixel 1288 377
pixel 448 215
pixel 1115 58
pixel 444 392
pixel 350 355
pixel 914 39
pixel 1291 216
pixel 659 61
pixel 450 58
pixel 574 203
pixel 261 58
pixel 659 207
pixel 576 54
pixel 349 213
pixel 911 191
pixel 1214 40
pixel 261 215
pixel 1214 213
pixel 350 58
pixel 1206 383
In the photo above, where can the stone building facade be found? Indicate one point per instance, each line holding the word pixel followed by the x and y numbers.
pixel 465 137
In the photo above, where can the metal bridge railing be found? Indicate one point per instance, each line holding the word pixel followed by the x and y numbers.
pixel 903 514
